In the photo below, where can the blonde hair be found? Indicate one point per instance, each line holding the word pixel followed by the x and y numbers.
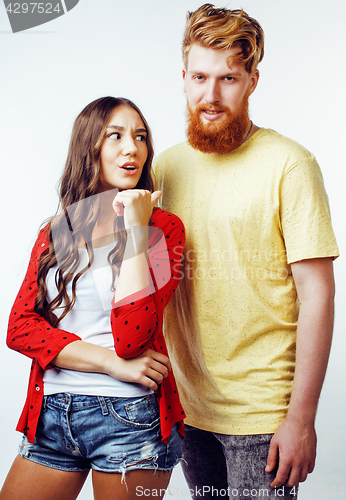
pixel 221 29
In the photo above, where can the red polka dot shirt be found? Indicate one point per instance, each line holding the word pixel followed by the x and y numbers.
pixel 136 322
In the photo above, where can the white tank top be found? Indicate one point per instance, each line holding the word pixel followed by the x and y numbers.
pixel 90 320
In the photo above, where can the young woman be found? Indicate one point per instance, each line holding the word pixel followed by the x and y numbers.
pixel 101 394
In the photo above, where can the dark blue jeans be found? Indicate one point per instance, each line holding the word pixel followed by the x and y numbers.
pixel 222 466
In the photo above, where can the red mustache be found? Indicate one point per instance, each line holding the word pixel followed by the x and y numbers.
pixel 211 107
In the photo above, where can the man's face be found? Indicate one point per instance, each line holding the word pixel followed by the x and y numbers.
pixel 218 90
pixel 212 79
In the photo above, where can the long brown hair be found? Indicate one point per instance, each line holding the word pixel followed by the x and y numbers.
pixel 75 220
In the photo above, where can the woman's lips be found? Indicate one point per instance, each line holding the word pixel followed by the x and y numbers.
pixel 130 168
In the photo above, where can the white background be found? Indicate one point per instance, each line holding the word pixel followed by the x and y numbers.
pixel 132 49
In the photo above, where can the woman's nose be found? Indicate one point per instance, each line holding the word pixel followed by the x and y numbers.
pixel 129 146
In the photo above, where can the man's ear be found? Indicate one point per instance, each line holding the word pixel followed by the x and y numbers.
pixel 254 81
pixel 184 79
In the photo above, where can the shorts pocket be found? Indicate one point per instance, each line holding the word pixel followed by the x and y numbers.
pixel 136 412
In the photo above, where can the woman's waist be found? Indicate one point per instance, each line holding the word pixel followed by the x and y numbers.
pixel 63 380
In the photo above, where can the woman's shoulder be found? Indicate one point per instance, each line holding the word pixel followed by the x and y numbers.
pixel 42 239
pixel 163 219
pixel 43 232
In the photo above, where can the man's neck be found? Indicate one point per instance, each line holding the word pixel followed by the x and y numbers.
pixel 253 130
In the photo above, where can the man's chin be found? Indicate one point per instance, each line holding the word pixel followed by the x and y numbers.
pixel 220 135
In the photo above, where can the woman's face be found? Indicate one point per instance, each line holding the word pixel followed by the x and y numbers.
pixel 124 150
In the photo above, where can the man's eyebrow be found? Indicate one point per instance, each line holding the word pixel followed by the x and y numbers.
pixel 203 73
pixel 232 73
pixel 196 72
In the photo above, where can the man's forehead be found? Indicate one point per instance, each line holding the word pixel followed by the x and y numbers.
pixel 205 57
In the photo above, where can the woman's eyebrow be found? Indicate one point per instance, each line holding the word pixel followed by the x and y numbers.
pixel 117 127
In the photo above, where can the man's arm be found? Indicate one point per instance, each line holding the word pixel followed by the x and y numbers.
pixel 293 447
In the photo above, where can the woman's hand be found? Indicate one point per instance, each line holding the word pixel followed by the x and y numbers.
pixel 149 369
pixel 136 205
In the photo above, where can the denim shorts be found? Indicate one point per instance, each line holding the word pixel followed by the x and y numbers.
pixel 76 433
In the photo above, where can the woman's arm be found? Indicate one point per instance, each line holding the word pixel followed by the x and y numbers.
pixel 28 332
pixel 31 335
pixel 136 321
pixel 136 205
pixel 149 369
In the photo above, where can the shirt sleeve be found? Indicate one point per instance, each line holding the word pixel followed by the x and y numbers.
pixel 28 332
pixel 137 323
pixel 304 213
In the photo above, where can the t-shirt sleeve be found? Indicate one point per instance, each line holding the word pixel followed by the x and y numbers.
pixel 304 213
pixel 157 175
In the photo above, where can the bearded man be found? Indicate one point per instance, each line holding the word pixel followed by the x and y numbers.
pixel 250 326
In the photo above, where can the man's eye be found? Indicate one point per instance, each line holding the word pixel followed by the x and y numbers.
pixel 198 78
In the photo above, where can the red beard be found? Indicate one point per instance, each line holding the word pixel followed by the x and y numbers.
pixel 217 138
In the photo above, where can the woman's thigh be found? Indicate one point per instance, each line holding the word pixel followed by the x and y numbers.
pixel 32 481
pixel 148 483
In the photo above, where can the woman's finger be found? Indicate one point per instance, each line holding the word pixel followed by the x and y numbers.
pixel 154 197
pixel 118 207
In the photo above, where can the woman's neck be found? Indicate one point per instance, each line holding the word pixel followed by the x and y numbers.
pixel 103 233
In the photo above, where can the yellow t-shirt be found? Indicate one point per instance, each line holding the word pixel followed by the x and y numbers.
pixel 231 325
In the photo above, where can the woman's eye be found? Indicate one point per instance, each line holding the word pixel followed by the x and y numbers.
pixel 114 135
pixel 140 137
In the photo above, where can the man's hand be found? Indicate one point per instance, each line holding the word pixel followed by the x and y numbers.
pixel 293 450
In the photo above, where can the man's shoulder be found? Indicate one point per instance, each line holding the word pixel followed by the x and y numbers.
pixel 265 138
pixel 175 151
pixel 273 141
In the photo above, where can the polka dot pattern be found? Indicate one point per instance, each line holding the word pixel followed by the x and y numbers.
pixel 138 323
pixel 31 335
pixel 136 326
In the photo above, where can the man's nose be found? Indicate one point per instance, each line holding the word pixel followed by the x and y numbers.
pixel 212 94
